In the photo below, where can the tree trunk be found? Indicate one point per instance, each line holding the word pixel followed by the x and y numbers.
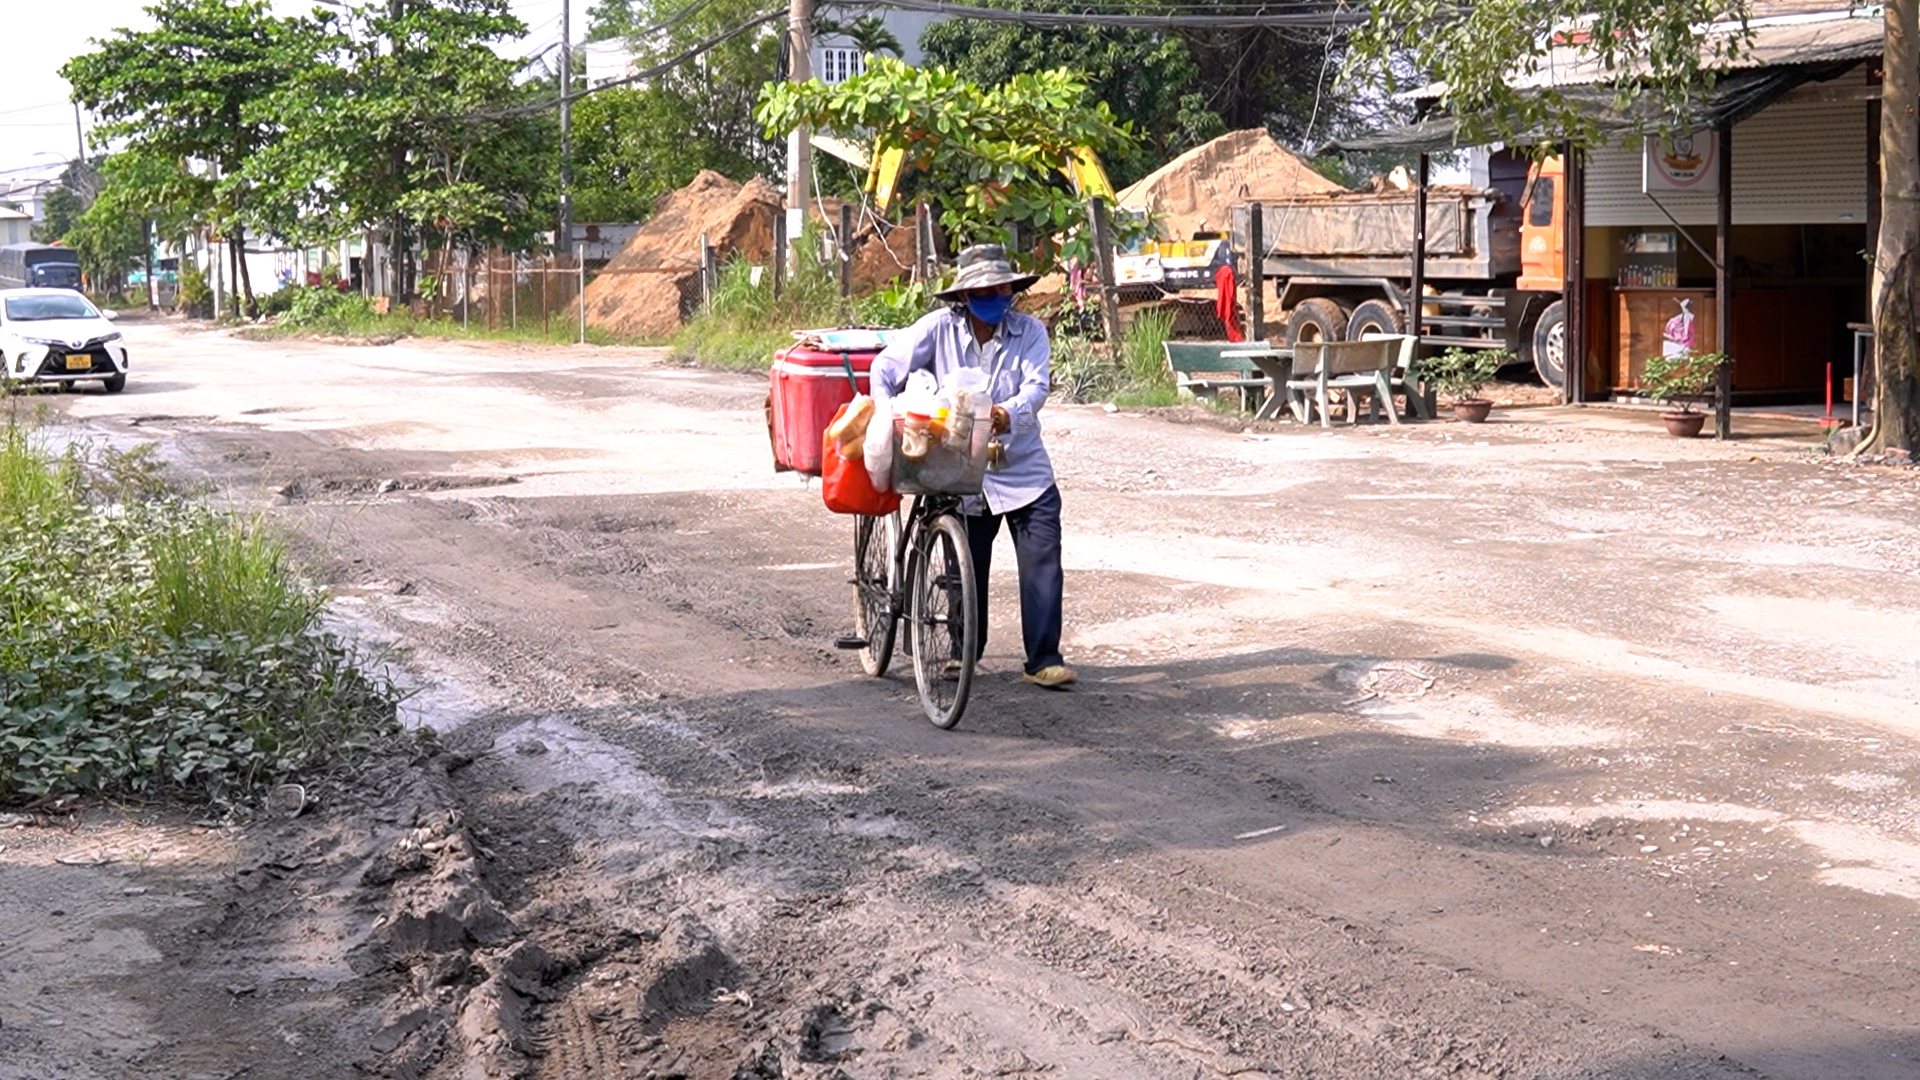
pixel 1896 399
pixel 245 276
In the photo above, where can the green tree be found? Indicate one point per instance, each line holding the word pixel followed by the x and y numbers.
pixel 633 144
pixel 410 120
pixel 193 87
pixel 991 156
pixel 868 33
pixel 1147 78
pixel 1177 86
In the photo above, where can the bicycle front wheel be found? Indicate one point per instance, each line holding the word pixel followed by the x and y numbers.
pixel 873 612
pixel 941 602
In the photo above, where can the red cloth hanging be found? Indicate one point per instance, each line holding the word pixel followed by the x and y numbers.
pixel 1226 302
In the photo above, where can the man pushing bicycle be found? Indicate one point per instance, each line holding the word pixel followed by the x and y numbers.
pixel 979 329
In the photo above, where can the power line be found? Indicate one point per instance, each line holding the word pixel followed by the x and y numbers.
pixel 1297 13
pixel 660 68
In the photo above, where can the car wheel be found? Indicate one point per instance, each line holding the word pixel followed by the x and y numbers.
pixel 115 384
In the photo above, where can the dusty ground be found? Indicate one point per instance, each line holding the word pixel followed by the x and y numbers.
pixel 1547 748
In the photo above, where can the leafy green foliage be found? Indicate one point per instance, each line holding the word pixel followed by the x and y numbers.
pixel 1655 55
pixel 634 144
pixel 196 86
pixel 990 155
pixel 159 646
pixel 403 115
pixel 328 310
pixel 1683 378
pixel 1147 78
pixel 1461 373
pixel 898 304
pixel 1083 367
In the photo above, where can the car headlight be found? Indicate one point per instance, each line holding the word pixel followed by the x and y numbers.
pixel 115 336
pixel 41 341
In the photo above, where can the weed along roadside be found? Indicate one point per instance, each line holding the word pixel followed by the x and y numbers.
pixel 154 647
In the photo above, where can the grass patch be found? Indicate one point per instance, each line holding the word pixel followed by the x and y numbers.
pixel 151 645
pixel 309 312
pixel 1085 369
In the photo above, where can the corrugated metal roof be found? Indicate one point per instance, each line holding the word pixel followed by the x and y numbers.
pixel 1782 32
pixel 1808 38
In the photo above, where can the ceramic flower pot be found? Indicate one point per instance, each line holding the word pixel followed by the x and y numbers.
pixel 1472 410
pixel 1683 425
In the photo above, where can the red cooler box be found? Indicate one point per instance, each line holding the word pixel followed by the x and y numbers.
pixel 809 386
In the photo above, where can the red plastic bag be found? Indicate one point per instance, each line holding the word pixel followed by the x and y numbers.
pixel 845 485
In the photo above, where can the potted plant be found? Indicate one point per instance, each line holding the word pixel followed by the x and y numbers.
pixel 1461 374
pixel 1680 379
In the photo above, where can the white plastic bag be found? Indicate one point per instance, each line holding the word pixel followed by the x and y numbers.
pixel 878 446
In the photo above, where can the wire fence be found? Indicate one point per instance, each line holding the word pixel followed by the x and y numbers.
pixel 507 290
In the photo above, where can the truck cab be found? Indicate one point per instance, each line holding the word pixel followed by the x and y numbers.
pixel 1542 228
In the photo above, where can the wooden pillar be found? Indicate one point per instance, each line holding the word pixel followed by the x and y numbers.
pixel 1723 289
pixel 1103 258
pixel 1418 278
pixel 1256 274
pixel 1573 201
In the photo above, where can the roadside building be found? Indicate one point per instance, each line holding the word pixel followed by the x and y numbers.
pixel 1750 236
pixel 16 226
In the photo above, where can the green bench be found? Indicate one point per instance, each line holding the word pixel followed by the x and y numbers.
pixel 1199 370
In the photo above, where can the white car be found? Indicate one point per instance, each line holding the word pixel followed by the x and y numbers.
pixel 58 336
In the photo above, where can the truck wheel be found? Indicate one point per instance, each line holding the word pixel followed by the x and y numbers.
pixel 1374 317
pixel 1550 344
pixel 1316 319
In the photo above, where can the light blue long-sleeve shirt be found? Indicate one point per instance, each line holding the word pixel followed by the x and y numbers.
pixel 1016 360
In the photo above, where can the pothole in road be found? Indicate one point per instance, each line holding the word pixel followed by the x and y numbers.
pixel 309 489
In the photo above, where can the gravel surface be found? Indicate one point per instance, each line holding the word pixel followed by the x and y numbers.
pixel 1545 748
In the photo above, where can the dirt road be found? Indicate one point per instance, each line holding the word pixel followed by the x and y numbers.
pixel 1548 748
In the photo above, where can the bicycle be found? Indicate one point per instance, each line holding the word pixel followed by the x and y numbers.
pixel 920 570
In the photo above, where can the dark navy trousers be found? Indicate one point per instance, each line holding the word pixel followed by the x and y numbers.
pixel 1035 529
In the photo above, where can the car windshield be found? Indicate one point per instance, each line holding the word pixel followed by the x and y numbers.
pixel 30 308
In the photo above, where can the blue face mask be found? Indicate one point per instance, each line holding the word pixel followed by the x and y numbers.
pixel 991 310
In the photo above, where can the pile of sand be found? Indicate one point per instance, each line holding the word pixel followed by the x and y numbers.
pixel 1204 183
pixel 653 284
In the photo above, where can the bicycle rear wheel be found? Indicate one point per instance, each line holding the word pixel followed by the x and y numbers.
pixel 940 623
pixel 873 614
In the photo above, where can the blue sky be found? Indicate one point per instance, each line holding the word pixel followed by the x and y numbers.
pixel 36 118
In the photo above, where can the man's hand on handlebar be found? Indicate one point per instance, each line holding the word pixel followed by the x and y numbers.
pixel 1002 423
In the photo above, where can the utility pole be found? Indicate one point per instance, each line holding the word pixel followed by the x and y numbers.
pixel 799 144
pixel 564 241
pixel 79 133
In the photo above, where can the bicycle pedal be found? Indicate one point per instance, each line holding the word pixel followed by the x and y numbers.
pixel 849 641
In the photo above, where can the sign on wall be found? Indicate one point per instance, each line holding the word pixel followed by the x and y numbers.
pixel 1687 163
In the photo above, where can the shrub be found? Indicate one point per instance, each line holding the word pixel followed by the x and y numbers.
pixel 1682 378
pixel 148 644
pixel 1460 372
pixel 330 311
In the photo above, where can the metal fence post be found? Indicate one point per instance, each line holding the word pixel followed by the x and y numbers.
pixel 846 250
pixel 580 300
pixel 779 256
pixel 1256 273
pixel 706 273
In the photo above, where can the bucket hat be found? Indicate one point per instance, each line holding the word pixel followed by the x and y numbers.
pixel 984 266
